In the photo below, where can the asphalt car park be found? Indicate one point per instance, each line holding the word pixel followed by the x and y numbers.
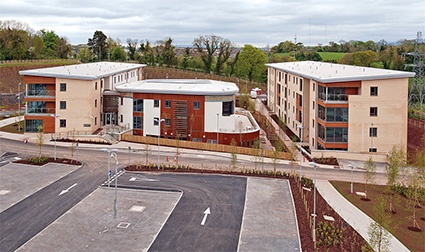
pixel 160 211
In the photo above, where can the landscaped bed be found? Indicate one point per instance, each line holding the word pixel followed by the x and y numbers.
pixel 401 220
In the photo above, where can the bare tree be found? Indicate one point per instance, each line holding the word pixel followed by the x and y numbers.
pixel 370 172
pixel 210 45
pixel 396 159
pixel 40 139
pixel 379 237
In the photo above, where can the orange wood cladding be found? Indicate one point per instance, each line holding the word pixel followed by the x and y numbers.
pixel 39 80
pixel 48 122
pixel 332 145
pixel 355 84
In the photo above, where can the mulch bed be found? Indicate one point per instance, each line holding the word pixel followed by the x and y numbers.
pixel 351 239
pixel 49 160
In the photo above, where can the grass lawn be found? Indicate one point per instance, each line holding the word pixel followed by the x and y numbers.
pixel 331 56
pixel 401 220
pixel 13 128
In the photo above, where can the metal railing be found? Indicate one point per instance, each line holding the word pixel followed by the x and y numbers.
pixel 40 93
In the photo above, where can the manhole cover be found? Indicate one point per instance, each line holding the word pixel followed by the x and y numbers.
pixel 123 225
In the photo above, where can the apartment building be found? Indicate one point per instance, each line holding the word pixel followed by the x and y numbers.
pixel 72 98
pixel 340 110
pixel 194 110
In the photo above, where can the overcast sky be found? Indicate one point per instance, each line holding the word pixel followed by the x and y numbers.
pixel 255 22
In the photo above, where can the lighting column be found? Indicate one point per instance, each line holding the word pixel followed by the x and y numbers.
pixel 159 133
pixel 351 185
pixel 55 116
pixel 314 204
pixel 301 144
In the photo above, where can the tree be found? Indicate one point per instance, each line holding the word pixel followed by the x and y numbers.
pixel 50 39
pixel 132 48
pixel 186 57
pixel 362 58
pixel 84 54
pixel 251 62
pixel 210 45
pixel 379 237
pixel 369 174
pixel 168 52
pixel 396 159
pixel 63 48
pixel 118 54
pixel 40 140
pixel 278 147
pixel 234 155
pixel 98 45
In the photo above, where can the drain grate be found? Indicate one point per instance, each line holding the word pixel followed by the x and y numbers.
pixel 123 225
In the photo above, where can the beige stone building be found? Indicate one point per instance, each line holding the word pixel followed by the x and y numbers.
pixel 340 110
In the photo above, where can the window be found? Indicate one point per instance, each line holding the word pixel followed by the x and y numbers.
pixel 137 122
pixel 32 125
pixel 95 103
pixel 312 125
pixel 314 105
pixel 95 120
pixel 373 150
pixel 196 105
pixel 95 85
pixel 121 118
pixel 227 108
pixel 121 100
pixel 62 123
pixel 155 121
pixel 373 132
pixel 62 87
pixel 138 105
pixel 301 85
pixel 314 87
pixel 101 84
pixel 167 103
pixel 167 122
pixel 373 91
pixel 156 103
pixel 62 104
pixel 373 111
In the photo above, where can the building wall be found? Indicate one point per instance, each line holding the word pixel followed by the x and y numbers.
pixel 284 95
pixel 391 121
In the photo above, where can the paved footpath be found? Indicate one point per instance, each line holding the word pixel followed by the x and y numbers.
pixel 351 214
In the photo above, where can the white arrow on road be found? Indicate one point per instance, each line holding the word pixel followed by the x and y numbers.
pixel 206 212
pixel 67 190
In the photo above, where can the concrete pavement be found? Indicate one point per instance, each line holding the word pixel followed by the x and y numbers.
pixel 351 214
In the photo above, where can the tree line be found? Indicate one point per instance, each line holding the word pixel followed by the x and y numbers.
pixel 209 53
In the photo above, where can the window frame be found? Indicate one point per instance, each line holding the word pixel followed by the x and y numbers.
pixel 62 105
pixel 62 87
pixel 373 111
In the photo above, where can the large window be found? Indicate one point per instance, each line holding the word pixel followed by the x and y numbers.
pixel 137 122
pixel 156 103
pixel 227 108
pixel 332 94
pixel 38 107
pixel 333 114
pixel 32 125
pixel 333 135
pixel 373 132
pixel 36 90
pixel 138 105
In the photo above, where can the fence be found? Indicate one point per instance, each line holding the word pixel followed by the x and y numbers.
pixel 205 146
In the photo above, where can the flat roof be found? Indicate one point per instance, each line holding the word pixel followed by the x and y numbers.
pixel 330 72
pixel 89 71
pixel 180 86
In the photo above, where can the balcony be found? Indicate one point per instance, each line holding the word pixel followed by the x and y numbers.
pixel 333 97
pixel 40 93
pixel 40 111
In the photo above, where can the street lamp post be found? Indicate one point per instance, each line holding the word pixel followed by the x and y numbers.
pixel 19 107
pixel 314 204
pixel 351 185
pixel 109 151
pixel 159 133
pixel 217 126
pixel 55 116
pixel 371 138
pixel 114 155
pixel 129 155
pixel 301 144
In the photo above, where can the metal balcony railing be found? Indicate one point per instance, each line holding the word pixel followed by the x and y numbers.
pixel 40 111
pixel 40 93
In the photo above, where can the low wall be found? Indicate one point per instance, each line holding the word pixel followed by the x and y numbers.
pixel 205 146
pixel 361 156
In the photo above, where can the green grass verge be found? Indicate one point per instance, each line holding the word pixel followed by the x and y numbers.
pixel 331 56
pixel 400 221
